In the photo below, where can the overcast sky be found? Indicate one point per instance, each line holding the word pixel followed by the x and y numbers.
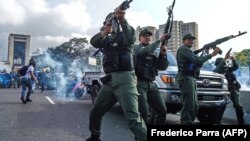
pixel 52 22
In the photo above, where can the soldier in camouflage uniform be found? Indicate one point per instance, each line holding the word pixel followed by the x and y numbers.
pixel 188 71
pixel 119 84
pixel 233 84
pixel 148 62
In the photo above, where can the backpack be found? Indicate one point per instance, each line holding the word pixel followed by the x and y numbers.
pixel 23 70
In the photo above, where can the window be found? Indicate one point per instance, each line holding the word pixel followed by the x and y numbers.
pixel 171 59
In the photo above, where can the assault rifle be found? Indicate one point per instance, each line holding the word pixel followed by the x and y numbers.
pixel 112 19
pixel 169 24
pixel 111 16
pixel 214 44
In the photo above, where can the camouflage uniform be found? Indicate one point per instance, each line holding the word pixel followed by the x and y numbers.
pixel 120 85
pixel 147 65
pixel 188 71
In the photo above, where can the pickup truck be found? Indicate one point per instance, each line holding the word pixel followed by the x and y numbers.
pixel 93 83
pixel 213 95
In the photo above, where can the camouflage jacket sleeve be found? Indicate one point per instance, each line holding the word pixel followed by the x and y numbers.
pixel 141 50
pixel 97 41
pixel 220 68
pixel 129 34
pixel 189 55
pixel 163 62
pixel 198 51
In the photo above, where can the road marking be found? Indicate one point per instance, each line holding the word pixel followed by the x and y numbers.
pixel 50 100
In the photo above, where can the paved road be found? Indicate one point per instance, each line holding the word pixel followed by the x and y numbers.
pixel 65 120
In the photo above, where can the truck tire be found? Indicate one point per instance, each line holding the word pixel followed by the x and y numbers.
pixel 95 91
pixel 210 115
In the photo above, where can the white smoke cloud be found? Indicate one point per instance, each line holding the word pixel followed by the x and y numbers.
pixel 66 84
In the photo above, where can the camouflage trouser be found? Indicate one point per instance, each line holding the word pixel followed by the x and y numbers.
pixel 150 95
pixel 235 97
pixel 189 100
pixel 127 96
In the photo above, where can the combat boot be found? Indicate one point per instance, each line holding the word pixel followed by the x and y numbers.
pixel 93 138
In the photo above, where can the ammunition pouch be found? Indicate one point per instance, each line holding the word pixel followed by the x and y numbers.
pixel 191 70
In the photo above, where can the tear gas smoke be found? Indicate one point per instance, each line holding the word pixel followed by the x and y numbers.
pixel 65 75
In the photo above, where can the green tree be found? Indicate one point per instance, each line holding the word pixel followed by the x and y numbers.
pixel 243 57
pixel 69 51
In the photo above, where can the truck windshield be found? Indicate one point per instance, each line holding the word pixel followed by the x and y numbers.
pixel 171 59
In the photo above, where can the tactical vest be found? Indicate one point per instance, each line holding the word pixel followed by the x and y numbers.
pixel 116 57
pixel 146 67
pixel 187 68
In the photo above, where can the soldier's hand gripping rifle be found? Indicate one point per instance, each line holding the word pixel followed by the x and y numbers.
pixel 169 24
pixel 214 44
pixel 111 18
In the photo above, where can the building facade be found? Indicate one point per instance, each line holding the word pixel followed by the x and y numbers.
pixel 152 29
pixel 179 29
pixel 18 49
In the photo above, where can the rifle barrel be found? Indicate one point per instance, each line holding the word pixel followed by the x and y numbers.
pixel 222 40
pixel 242 33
